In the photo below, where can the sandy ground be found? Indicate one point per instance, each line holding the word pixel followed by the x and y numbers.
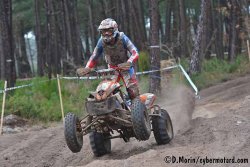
pixel 217 126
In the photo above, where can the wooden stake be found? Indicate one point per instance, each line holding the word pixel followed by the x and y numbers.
pixel 3 106
pixel 248 49
pixel 60 95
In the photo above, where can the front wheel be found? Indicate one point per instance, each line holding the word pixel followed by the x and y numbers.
pixel 100 143
pixel 72 133
pixel 140 120
pixel 162 128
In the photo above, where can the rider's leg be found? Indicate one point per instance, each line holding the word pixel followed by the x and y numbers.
pixel 132 84
pixel 133 91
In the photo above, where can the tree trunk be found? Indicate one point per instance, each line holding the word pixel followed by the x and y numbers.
pixel 91 24
pixel 60 33
pixel 2 56
pixel 218 28
pixel 58 28
pixel 39 39
pixel 48 38
pixel 175 36
pixel 142 20
pixel 131 22
pixel 208 33
pixel 155 78
pixel 175 29
pixel 68 30
pixel 183 31
pixel 239 27
pixel 55 30
pixel 87 53
pixel 196 59
pixel 125 23
pixel 23 65
pixel 232 30
pixel 6 35
pixel 168 21
pixel 103 8
pixel 137 29
pixel 161 31
pixel 76 40
pixel 130 19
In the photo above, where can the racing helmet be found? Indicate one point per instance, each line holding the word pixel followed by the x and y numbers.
pixel 108 29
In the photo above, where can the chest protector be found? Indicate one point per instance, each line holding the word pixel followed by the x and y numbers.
pixel 115 54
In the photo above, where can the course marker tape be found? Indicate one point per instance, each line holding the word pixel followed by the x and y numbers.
pixel 154 46
pixel 22 86
pixel 138 73
pixel 189 80
pixel 96 77
pixel 16 87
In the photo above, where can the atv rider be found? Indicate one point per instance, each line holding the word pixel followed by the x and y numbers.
pixel 115 46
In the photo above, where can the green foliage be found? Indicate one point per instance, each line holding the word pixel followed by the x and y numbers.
pixel 143 83
pixel 41 101
pixel 1 84
pixel 216 70
pixel 193 4
pixel 23 10
pixel 143 61
pixel 213 71
pixel 162 10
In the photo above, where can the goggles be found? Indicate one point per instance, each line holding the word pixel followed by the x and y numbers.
pixel 107 32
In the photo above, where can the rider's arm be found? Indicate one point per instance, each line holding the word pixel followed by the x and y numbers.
pixel 95 55
pixel 131 48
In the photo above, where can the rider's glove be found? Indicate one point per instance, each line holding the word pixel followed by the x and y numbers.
pixel 125 66
pixel 83 71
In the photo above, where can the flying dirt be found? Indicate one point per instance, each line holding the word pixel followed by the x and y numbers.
pixel 215 126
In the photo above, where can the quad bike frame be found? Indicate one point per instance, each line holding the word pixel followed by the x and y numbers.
pixel 109 110
pixel 98 122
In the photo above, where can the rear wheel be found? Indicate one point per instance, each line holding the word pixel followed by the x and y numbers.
pixel 162 128
pixel 72 133
pixel 140 120
pixel 100 143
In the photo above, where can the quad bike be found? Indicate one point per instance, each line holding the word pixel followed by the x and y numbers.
pixel 110 109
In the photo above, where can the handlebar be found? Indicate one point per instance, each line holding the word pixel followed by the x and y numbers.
pixel 103 73
pixel 109 71
pixel 105 70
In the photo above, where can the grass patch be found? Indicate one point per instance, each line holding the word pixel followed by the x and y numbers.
pixel 143 83
pixel 216 70
pixel 41 101
pixel 144 61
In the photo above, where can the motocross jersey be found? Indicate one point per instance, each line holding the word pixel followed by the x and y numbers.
pixel 114 54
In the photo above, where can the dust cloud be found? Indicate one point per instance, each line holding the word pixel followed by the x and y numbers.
pixel 179 101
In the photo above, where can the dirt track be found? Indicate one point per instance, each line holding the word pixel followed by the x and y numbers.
pixel 219 127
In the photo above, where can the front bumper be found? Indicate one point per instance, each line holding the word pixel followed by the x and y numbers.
pixel 101 107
